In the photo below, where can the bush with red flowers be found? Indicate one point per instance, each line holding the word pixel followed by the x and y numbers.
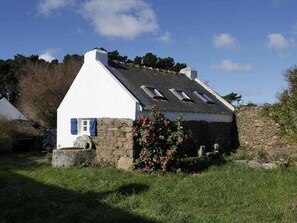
pixel 160 142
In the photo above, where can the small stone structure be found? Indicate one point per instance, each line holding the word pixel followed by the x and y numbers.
pixel 113 142
pixel 66 157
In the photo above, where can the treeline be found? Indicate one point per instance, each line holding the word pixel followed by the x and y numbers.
pixel 37 87
pixel 149 60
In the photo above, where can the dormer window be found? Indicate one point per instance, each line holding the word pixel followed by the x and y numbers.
pixel 153 92
pixel 181 95
pixel 204 97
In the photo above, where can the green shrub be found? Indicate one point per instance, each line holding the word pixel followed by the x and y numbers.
pixel 284 112
pixel 161 143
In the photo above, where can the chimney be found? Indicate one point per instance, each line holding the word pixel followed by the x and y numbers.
pixel 99 55
pixel 190 72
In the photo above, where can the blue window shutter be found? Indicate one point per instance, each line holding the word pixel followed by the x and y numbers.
pixel 93 125
pixel 74 126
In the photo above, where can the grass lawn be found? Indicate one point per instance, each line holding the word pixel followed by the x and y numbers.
pixel 32 191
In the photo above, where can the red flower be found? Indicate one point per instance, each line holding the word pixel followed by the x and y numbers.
pixel 163 167
pixel 153 139
pixel 166 122
pixel 169 152
pixel 180 139
pixel 161 158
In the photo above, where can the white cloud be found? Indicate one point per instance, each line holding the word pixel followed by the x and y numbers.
pixel 279 43
pixel 166 37
pixel 47 6
pixel 224 40
pixel 120 18
pixel 228 65
pixel 47 56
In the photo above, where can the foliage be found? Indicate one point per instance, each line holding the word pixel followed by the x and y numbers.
pixel 284 112
pixel 150 60
pixel 43 86
pixel 10 71
pixel 10 129
pixel 162 142
pixel 6 129
pixel 232 97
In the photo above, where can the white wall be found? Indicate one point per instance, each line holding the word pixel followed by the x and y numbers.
pixel 8 111
pixel 95 93
pixel 195 116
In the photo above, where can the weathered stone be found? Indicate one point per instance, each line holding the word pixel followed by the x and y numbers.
pixel 125 163
pixel 73 157
pixel 83 141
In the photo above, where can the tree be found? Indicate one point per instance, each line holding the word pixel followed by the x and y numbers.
pixel 165 63
pixel 149 60
pixel 43 86
pixel 284 112
pixel 178 66
pixel 232 97
pixel 115 55
pixel 138 60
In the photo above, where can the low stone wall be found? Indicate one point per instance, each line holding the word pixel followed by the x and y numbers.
pixel 113 142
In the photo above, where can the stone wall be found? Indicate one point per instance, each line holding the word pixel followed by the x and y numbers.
pixel 209 133
pixel 113 141
pixel 114 145
pixel 258 134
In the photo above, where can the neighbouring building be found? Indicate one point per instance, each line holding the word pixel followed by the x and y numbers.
pixel 7 110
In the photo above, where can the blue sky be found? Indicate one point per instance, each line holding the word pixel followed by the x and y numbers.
pixel 241 46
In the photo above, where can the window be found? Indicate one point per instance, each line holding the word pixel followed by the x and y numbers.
pixel 181 95
pixel 204 97
pixel 84 126
pixel 153 92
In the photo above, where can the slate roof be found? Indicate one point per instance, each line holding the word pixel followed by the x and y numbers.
pixel 134 77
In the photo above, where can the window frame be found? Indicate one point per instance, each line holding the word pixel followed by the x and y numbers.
pixel 204 97
pixel 83 125
pixel 153 93
pixel 181 95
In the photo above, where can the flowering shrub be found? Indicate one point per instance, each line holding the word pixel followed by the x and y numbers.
pixel 161 143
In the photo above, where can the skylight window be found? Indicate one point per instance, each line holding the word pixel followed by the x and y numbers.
pixel 204 97
pixel 181 95
pixel 153 92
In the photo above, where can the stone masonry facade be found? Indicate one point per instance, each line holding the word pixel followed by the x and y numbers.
pixel 114 145
pixel 113 142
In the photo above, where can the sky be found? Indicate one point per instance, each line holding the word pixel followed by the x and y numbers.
pixel 241 46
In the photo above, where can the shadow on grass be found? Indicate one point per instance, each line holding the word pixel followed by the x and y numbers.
pixel 198 164
pixel 26 200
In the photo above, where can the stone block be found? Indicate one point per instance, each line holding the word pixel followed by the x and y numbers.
pixel 125 163
pixel 72 157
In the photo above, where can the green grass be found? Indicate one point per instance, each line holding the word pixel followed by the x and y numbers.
pixel 32 191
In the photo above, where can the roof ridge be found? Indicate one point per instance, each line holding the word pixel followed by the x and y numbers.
pixel 146 67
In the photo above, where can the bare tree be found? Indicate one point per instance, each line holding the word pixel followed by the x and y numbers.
pixel 42 88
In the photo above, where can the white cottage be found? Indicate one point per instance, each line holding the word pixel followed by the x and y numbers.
pixel 110 89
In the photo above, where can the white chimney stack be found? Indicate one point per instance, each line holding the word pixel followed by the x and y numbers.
pixel 99 55
pixel 190 72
